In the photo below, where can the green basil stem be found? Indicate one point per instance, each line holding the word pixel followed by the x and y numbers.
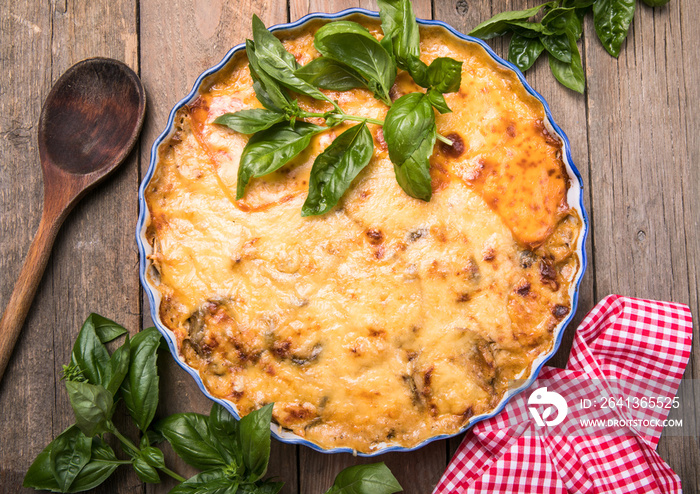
pixel 345 116
pixel 444 139
pixel 134 451
pixel 335 105
pixel 172 474
pixel 356 118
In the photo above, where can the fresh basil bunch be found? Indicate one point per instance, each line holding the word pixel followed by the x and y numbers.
pixel 558 31
pixel 351 57
pixel 233 455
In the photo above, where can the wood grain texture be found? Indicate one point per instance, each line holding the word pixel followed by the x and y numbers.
pixel 40 40
pixel 634 139
pixel 641 156
pixel 27 390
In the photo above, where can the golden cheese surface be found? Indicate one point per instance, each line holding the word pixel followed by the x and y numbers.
pixel 388 320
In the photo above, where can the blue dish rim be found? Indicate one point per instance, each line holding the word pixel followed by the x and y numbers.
pixel 276 431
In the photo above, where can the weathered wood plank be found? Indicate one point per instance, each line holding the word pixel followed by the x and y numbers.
pixel 181 47
pixel 28 384
pixel 642 122
pixel 681 60
pixel 96 243
pixel 86 272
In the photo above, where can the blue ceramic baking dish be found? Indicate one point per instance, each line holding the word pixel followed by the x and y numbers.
pixel 575 199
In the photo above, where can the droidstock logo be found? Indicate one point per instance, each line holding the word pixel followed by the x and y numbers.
pixel 553 401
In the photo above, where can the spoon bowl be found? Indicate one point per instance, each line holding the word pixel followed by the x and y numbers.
pixel 89 123
pixel 92 117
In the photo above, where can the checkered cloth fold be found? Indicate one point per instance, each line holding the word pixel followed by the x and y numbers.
pixel 621 343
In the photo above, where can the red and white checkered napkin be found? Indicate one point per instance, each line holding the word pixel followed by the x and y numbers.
pixel 622 340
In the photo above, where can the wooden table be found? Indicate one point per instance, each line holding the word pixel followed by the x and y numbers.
pixel 634 136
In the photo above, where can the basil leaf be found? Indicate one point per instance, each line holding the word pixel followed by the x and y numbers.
pixel 102 464
pixel 92 405
pixel 277 62
pixel 140 389
pixel 145 472
pixel 558 19
pixel 254 437
pixel 558 46
pixel 250 121
pixel 189 435
pixel 401 32
pixel 106 329
pixel 266 487
pixel 576 23
pixel 153 456
pixel 579 4
pixel 409 131
pixel 523 52
pixel 39 476
pixel 118 366
pixel 268 91
pixel 358 49
pixel 529 29
pixel 330 74
pixel 418 71
pixel 69 454
pixel 498 24
pixel 90 354
pixel 336 167
pixel 445 75
pixel 569 74
pixel 224 428
pixel 438 101
pixel 211 482
pixel 339 27
pixel 153 437
pixel 271 149
pixel 612 19
pixel 221 422
pixel 375 478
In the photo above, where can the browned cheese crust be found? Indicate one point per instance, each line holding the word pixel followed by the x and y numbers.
pixel 388 320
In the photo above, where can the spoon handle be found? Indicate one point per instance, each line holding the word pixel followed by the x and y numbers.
pixel 27 283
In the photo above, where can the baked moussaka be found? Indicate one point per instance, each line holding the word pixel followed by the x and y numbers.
pixel 387 320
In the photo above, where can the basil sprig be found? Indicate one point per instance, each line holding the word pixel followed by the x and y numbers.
pixel 232 455
pixel 351 57
pixel 559 30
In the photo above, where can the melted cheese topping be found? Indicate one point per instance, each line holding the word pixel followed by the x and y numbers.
pixel 387 320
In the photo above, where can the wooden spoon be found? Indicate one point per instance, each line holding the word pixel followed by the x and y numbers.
pixel 89 123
